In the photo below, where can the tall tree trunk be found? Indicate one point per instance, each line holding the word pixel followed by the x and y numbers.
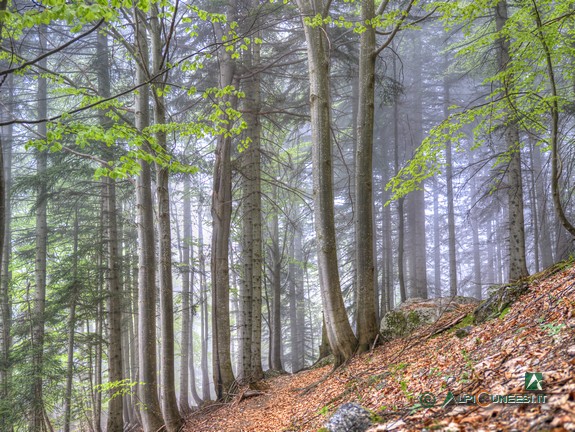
pixel 250 323
pixel 449 181
pixel 191 313
pixel 387 292
pixel 71 330
pixel 172 417
pixel 418 256
pixel 37 418
pixel 99 326
pixel 115 369
pixel 436 242
pixel 367 328
pixel 342 341
pixel 400 201
pixel 276 259
pixel 300 300
pixel 151 413
pixel 6 137
pixel 204 318
pixel 545 242
pixel 516 224
pixel 221 220
pixel 187 311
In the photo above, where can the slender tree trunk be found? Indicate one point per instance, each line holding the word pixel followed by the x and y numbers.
pixel 400 201
pixel 449 182
pixel 387 292
pixel 148 392
pixel 203 307
pixel 250 329
pixel 300 300
pixel 37 418
pixel 276 330
pixel 186 307
pixel 341 338
pixel 71 330
pixel 436 242
pixel 115 369
pixel 367 327
pixel 191 312
pixel 221 220
pixel 6 136
pixel 99 327
pixel 417 200
pixel 546 251
pixel 516 230
pixel 172 416
pixel 534 212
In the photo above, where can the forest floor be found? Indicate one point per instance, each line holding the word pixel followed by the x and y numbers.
pixel 536 334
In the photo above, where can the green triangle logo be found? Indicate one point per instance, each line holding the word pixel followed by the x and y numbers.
pixel 533 381
pixel 448 399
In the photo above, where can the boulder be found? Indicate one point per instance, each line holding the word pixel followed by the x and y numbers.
pixel 416 312
pixel 349 417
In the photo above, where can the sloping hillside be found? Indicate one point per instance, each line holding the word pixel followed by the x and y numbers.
pixel 536 335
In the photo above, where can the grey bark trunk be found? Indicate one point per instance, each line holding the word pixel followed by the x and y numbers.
pixel 172 417
pixel 516 224
pixel 276 259
pixel 250 330
pixel 449 181
pixel 148 391
pixel 6 136
pixel 221 220
pixel 203 306
pixel 367 328
pixel 418 258
pixel 37 417
pixel 342 341
pixel 71 331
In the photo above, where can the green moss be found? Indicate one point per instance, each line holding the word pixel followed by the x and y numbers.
pixel 504 312
pixel 467 321
pixel 375 418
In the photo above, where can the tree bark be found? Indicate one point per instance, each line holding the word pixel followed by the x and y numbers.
pixel 37 418
pixel 342 341
pixel 148 390
pixel 516 229
pixel 418 258
pixel 449 182
pixel 367 328
pixel 250 330
pixel 276 260
pixel 172 417
pixel 6 136
pixel 221 220
pixel 203 306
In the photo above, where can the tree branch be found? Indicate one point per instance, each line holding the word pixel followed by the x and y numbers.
pixel 49 53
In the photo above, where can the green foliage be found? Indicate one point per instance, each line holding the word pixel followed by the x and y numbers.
pixel 504 312
pixel 520 93
pixel 552 329
pixel 119 388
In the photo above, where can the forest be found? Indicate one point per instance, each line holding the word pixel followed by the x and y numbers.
pixel 196 195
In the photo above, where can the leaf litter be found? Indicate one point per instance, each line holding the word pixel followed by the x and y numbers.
pixel 537 334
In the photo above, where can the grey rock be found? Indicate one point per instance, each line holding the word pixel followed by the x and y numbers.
pixel 349 417
pixel 416 312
